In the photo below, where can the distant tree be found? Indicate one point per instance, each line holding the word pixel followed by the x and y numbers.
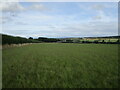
pixel 103 41
pixel 95 41
pixel 30 37
pixel 77 41
pixel 118 40
pixel 83 41
pixel 69 41
pixel 44 39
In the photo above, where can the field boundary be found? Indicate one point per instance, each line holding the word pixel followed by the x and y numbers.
pixel 14 45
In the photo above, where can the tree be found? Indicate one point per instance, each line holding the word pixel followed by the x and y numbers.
pixel 118 40
pixel 103 41
pixel 30 37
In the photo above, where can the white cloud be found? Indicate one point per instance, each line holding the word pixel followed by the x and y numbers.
pixel 92 7
pixel 69 30
pixel 38 7
pixel 10 10
pixel 42 24
pixel 11 7
pixel 98 7
pixel 40 17
pixel 102 17
pixel 5 19
pixel 16 7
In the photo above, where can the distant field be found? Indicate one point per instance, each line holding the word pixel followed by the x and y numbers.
pixel 98 39
pixel 49 65
pixel 101 39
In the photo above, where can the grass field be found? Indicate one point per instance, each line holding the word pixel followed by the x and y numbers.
pixel 52 65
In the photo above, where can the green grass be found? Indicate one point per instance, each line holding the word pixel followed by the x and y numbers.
pixel 53 65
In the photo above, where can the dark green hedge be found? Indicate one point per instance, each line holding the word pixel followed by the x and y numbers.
pixel 7 39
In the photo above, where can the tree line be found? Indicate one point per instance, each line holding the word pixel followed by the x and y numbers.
pixel 95 41
pixel 7 39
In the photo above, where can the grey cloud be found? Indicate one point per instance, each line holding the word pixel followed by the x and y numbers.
pixel 12 9
pixel 91 29
pixel 21 23
pixel 98 7
pixel 5 19
pixel 97 17
pixel 17 7
pixel 8 17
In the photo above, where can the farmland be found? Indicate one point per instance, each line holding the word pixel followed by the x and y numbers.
pixel 65 65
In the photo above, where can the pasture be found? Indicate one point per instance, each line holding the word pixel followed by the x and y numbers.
pixel 65 65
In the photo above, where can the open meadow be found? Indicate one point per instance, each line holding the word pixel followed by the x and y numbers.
pixel 65 65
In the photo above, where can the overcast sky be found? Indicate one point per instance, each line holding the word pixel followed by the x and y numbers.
pixel 60 19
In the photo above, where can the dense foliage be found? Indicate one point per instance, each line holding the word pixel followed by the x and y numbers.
pixel 7 39
pixel 48 39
